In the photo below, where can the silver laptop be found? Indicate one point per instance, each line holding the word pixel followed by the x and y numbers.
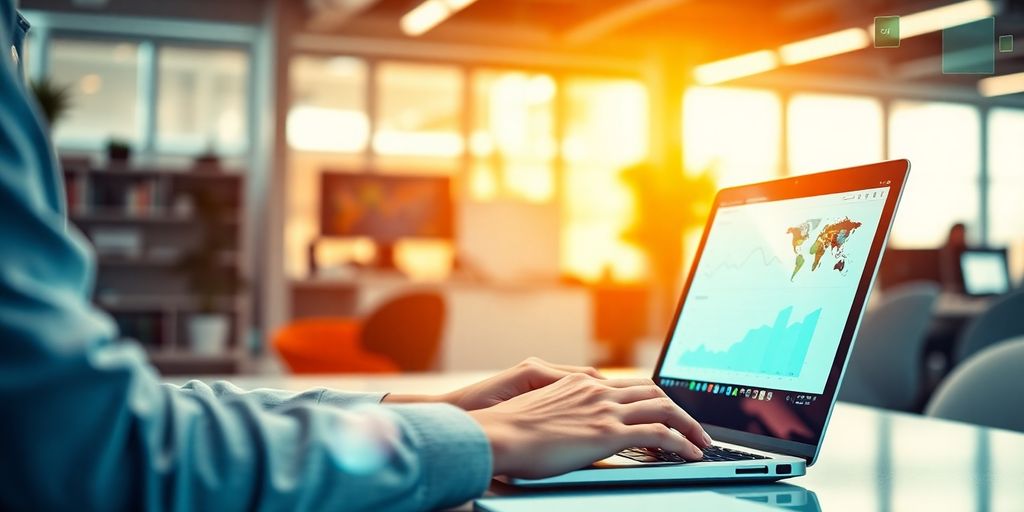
pixel 764 328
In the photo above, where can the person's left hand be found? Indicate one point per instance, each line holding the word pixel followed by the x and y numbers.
pixel 533 373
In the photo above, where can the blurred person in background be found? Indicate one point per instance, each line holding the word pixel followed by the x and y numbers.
pixel 949 258
pixel 88 425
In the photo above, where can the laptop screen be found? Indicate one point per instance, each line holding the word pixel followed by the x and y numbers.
pixel 985 272
pixel 762 324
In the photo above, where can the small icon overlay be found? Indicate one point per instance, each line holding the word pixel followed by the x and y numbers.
pixel 1006 44
pixel 887 31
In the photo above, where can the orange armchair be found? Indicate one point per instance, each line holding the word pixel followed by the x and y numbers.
pixel 404 334
pixel 328 345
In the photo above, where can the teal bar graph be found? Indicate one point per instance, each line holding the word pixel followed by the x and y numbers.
pixel 778 349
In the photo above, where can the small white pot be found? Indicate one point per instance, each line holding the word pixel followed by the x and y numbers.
pixel 208 333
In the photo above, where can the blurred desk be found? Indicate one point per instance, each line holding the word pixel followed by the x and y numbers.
pixel 547 320
pixel 953 313
pixel 955 306
pixel 871 460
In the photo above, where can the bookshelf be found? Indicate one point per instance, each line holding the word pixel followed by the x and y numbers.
pixel 142 221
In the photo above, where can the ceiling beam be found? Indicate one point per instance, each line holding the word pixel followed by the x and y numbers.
pixel 331 15
pixel 608 22
pixel 932 65
pixel 474 54
pixel 473 32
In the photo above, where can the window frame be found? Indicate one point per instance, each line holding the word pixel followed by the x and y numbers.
pixel 165 33
pixel 793 82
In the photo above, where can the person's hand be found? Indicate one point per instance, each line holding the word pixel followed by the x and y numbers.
pixel 531 374
pixel 579 420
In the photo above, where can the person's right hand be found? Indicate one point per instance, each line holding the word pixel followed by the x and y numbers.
pixel 579 420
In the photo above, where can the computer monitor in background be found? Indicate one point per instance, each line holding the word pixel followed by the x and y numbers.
pixel 901 266
pixel 985 271
pixel 386 209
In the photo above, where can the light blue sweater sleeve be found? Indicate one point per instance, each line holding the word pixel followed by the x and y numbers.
pixel 87 425
pixel 269 398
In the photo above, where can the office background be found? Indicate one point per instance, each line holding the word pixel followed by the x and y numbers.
pixel 557 124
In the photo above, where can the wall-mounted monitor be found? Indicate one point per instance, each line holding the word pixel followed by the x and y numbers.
pixel 385 208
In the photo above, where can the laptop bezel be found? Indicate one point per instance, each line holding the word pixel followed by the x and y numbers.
pixel 891 173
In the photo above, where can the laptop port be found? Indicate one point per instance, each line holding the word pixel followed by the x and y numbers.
pixel 783 469
pixel 760 470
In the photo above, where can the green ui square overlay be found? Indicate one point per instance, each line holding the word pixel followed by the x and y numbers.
pixel 1006 44
pixel 887 32
pixel 970 49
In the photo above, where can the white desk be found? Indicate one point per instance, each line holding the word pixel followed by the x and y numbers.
pixel 546 320
pixel 871 460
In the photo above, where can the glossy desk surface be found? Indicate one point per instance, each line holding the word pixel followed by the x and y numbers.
pixel 871 460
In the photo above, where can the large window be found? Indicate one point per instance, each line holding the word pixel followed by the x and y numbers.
pixel 1006 177
pixel 160 98
pixel 507 144
pixel 419 108
pixel 417 129
pixel 510 139
pixel 734 133
pixel 513 136
pixel 830 132
pixel 328 129
pixel 104 79
pixel 942 141
pixel 606 131
pixel 203 99
pixel 328 111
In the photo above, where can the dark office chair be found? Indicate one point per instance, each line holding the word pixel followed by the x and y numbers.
pixel 407 330
pixel 983 390
pixel 1003 319
pixel 885 365
pixel 403 334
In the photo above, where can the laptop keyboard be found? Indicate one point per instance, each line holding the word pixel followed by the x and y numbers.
pixel 711 454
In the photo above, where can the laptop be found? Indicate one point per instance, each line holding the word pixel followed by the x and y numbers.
pixel 985 272
pixel 763 330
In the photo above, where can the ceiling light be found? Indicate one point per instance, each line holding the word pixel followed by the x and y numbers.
pixel 843 41
pixel 934 20
pixel 458 5
pixel 1001 85
pixel 424 17
pixel 429 14
pixel 824 46
pixel 736 67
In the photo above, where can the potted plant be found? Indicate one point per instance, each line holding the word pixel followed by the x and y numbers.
pixel 119 151
pixel 54 100
pixel 208 160
pixel 210 277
